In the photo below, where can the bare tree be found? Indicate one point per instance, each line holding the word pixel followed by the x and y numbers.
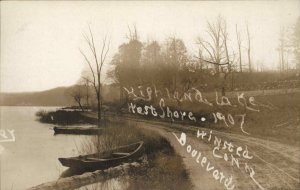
pixel 282 49
pixel 217 49
pixel 95 64
pixel 77 95
pixel 229 65
pixel 225 38
pixel 215 46
pixel 239 42
pixel 249 47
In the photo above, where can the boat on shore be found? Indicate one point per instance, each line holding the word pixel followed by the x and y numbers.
pixel 77 130
pixel 106 159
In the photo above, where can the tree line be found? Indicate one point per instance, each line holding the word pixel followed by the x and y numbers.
pixel 218 64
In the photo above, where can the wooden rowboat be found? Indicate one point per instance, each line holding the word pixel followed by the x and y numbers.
pixel 104 160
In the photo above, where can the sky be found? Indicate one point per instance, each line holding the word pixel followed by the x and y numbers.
pixel 40 41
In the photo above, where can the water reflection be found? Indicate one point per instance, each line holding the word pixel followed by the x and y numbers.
pixel 35 151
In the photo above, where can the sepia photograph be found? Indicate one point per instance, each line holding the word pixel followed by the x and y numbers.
pixel 150 95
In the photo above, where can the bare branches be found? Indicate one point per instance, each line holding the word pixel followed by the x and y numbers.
pixel 214 63
pixel 202 43
pixel 216 47
pixel 225 38
pixel 90 66
pixel 104 51
pixel 239 42
pixel 87 79
pixel 95 62
pixel 77 95
pixel 132 35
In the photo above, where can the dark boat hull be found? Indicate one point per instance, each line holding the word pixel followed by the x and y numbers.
pixel 77 130
pixel 92 165
pixel 108 160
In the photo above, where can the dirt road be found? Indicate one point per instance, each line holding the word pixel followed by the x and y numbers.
pixel 276 165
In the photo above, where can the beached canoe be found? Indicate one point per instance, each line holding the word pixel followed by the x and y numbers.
pixel 103 160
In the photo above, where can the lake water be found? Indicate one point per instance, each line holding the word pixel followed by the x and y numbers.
pixel 32 158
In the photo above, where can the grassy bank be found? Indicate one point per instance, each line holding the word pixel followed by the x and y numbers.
pixel 277 119
pixel 164 168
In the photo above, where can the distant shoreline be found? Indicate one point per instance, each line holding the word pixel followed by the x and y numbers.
pixel 69 102
pixel 32 106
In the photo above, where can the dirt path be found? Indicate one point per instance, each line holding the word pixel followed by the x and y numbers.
pixel 198 176
pixel 276 166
